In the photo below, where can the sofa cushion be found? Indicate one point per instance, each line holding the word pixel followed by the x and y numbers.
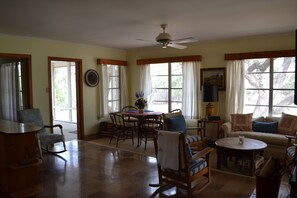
pixel 288 124
pixel 268 138
pixel 266 127
pixel 241 122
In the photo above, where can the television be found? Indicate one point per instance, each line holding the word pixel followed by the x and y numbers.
pixel 295 91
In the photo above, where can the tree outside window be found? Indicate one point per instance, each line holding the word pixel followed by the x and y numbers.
pixel 269 86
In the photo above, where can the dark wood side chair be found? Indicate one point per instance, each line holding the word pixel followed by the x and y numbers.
pixel 131 120
pixel 120 129
pixel 148 124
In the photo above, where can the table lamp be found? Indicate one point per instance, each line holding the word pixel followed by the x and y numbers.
pixel 210 94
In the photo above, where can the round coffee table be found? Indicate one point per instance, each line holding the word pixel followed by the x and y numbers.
pixel 230 146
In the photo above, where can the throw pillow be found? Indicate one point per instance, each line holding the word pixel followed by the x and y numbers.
pixel 266 127
pixel 177 123
pixel 288 124
pixel 241 122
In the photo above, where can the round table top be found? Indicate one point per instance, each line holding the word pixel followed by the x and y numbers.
pixel 233 143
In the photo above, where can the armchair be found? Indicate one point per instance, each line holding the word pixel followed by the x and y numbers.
pixel 291 149
pixel 176 164
pixel 46 138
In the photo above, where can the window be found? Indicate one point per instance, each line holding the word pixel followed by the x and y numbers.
pixel 269 86
pixel 114 96
pixel 20 86
pixel 167 81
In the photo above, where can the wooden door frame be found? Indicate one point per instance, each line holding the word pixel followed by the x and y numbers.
pixel 79 93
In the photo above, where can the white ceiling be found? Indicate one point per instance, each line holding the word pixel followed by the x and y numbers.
pixel 120 23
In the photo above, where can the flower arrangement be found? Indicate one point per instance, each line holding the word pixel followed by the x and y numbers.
pixel 140 102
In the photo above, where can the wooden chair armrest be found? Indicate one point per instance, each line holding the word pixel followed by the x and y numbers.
pixel 54 126
pixel 206 151
pixel 291 137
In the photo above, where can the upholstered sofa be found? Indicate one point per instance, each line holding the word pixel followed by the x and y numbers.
pixel 271 130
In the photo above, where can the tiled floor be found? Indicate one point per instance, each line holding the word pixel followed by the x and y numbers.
pixel 90 170
pixel 69 130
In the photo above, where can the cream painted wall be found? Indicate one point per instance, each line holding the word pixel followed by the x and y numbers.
pixel 41 49
pixel 212 53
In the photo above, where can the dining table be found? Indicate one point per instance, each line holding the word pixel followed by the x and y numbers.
pixel 139 115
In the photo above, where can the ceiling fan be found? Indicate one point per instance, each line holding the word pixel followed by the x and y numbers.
pixel 165 40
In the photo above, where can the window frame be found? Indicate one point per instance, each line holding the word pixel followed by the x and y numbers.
pixel 118 63
pixel 111 89
pixel 258 55
pixel 271 89
pixel 169 88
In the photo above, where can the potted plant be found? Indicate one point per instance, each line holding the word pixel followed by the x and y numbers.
pixel 140 102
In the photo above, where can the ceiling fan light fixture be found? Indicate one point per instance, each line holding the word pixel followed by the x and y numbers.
pixel 164 45
pixel 163 37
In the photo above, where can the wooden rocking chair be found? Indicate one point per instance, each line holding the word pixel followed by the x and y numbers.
pixel 186 171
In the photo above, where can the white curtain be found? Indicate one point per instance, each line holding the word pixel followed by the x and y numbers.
pixel 146 82
pixel 234 87
pixel 191 85
pixel 124 86
pixel 103 91
pixel 9 93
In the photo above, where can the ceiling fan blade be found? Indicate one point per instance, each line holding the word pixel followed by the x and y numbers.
pixel 185 40
pixel 177 46
pixel 145 40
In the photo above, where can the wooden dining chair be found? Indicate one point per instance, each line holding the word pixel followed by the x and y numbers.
pixel 177 166
pixel 148 124
pixel 132 121
pixel 121 131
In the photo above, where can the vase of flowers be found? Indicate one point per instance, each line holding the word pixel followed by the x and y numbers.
pixel 140 102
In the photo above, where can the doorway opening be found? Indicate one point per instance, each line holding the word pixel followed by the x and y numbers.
pixel 66 96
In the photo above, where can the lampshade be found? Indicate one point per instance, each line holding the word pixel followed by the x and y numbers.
pixel 210 93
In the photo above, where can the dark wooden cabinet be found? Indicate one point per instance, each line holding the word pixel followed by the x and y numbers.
pixel 19 160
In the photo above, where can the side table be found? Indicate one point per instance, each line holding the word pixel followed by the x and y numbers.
pixel 202 125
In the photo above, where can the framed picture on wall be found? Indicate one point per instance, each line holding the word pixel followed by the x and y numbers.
pixel 214 76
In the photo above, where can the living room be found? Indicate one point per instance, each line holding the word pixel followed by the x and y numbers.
pixel 212 54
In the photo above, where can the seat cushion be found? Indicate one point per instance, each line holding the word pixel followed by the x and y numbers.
pixel 192 138
pixel 291 151
pixel 195 166
pixel 49 138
